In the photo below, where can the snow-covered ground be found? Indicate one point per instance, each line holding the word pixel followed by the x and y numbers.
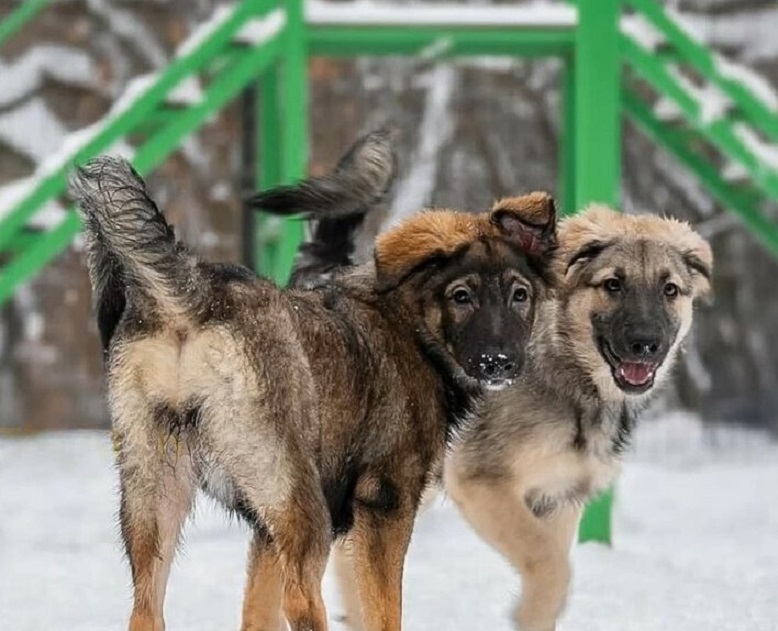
pixel 696 547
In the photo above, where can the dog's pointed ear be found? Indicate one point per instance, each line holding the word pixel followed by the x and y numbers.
pixel 529 221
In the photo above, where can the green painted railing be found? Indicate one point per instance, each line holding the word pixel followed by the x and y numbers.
pixel 724 113
pixel 163 126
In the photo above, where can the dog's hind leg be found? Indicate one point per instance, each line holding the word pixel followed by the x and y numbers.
pixel 280 490
pixel 538 547
pixel 264 588
pixel 302 534
pixel 157 490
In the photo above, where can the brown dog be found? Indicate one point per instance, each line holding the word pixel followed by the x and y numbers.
pixel 311 414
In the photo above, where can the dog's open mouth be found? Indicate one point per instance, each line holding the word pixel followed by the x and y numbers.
pixel 631 376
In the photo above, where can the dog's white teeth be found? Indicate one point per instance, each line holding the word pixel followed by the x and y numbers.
pixel 636 374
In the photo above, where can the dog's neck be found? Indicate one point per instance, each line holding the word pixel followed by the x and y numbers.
pixel 604 420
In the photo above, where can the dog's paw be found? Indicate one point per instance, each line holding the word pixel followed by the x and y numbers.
pixel 524 619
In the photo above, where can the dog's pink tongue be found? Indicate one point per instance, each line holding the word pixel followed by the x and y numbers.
pixel 636 373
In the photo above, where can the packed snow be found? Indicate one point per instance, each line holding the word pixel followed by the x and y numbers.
pixel 219 17
pixel 695 546
pixel 15 129
pixel 751 32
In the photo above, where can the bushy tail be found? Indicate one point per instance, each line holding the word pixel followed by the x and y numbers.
pixel 129 243
pixel 337 205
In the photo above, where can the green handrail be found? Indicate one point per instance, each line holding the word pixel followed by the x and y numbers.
pixel 151 153
pixel 241 65
pixel 16 20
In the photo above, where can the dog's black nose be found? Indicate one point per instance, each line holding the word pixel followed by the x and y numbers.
pixel 644 346
pixel 497 366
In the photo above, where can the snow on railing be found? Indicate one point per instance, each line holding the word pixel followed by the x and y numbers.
pixel 186 91
pixel 260 30
pixel 759 87
pixel 655 25
pixel 645 34
pixel 367 12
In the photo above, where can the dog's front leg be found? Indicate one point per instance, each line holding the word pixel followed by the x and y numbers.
pixel 380 541
pixel 345 577
pixel 538 547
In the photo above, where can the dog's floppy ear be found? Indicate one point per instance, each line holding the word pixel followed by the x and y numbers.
pixel 586 253
pixel 420 241
pixel 529 221
pixel 698 257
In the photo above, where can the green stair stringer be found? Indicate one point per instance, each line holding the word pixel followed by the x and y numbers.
pixel 228 65
pixel 723 112
pixel 16 19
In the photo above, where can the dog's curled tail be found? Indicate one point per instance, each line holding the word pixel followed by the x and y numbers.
pixel 129 243
pixel 362 178
pixel 337 204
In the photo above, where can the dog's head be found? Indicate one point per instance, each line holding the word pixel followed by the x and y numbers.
pixel 471 282
pixel 629 284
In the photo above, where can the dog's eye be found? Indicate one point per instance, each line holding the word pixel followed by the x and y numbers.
pixel 520 294
pixel 461 296
pixel 671 290
pixel 612 285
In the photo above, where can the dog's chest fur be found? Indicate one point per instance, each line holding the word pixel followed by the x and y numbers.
pixel 559 449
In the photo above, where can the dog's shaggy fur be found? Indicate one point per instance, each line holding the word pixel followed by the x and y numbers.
pixel 540 449
pixel 311 414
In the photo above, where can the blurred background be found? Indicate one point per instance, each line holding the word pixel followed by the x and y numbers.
pixel 472 131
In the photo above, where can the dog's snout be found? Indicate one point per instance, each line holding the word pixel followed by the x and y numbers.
pixel 645 348
pixel 644 344
pixel 497 366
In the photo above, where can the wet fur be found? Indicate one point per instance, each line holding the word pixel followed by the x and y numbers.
pixel 522 472
pixel 218 380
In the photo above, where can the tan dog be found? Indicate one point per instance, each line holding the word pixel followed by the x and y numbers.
pixel 523 470
pixel 522 474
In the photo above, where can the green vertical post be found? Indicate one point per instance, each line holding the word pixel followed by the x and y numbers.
pixel 293 133
pixel 270 160
pixel 566 156
pixel 283 140
pixel 597 153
